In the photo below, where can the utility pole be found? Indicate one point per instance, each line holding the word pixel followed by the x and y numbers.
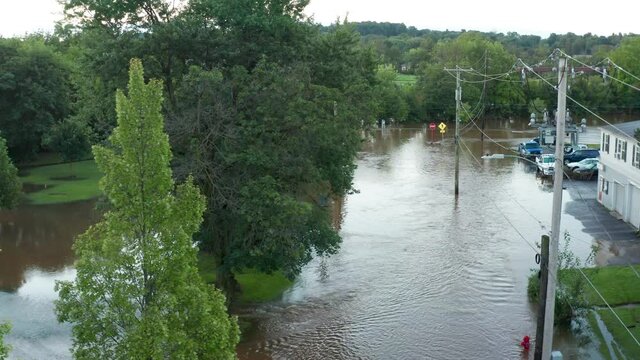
pixel 542 296
pixel 556 211
pixel 457 138
pixel 458 70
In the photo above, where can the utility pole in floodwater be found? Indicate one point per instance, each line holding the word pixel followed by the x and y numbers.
pixel 458 70
pixel 556 212
pixel 542 296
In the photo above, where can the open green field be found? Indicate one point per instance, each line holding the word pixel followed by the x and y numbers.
pixel 405 79
pixel 256 286
pixel 61 183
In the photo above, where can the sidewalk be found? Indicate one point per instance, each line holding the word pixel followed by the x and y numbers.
pixel 619 244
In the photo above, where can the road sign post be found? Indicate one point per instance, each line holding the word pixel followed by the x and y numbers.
pixel 432 127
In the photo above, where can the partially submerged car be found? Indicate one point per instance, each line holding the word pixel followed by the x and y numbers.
pixel 529 149
pixel 581 154
pixel 546 164
pixel 584 165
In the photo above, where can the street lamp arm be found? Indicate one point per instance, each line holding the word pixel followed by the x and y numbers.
pixel 502 156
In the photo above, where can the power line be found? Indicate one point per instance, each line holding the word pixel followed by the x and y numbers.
pixel 600 72
pixel 498 208
pixel 554 275
pixel 621 69
pixel 609 306
pixel 572 99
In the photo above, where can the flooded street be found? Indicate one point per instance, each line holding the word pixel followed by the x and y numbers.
pixel 419 275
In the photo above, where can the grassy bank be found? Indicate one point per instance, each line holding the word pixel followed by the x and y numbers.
pixel 61 183
pixel 620 287
pixel 256 286
pixel 405 79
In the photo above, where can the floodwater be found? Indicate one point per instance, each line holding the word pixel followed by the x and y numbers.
pixel 36 250
pixel 419 275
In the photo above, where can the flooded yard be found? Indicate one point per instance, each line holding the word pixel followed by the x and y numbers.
pixel 420 275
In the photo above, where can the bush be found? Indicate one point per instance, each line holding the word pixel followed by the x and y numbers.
pixel 570 293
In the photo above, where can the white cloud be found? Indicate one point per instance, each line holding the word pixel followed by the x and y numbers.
pixel 18 17
pixel 540 17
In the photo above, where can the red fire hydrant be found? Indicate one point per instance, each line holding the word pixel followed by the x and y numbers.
pixel 526 344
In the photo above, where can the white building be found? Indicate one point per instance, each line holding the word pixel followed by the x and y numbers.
pixel 619 171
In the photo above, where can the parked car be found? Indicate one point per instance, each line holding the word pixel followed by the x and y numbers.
pixel 581 154
pixel 587 170
pixel 529 149
pixel 568 148
pixel 584 164
pixel 546 164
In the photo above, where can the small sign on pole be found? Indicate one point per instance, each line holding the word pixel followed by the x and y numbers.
pixel 432 127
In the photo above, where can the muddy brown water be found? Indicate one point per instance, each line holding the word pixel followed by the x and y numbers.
pixel 419 275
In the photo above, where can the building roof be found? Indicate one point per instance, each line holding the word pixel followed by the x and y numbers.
pixel 628 128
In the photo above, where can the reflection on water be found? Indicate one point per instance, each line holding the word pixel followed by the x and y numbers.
pixel 420 275
pixel 36 250
pixel 39 237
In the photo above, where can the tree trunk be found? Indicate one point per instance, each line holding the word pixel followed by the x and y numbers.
pixel 226 281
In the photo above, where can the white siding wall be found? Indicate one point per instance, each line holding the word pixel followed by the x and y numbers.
pixel 623 179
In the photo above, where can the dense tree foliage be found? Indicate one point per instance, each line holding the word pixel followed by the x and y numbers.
pixel 9 183
pixel 69 138
pixel 137 292
pixel 34 93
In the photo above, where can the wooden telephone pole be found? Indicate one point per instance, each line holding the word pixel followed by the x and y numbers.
pixel 458 70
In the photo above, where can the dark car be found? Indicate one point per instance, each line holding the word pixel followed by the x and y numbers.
pixel 580 155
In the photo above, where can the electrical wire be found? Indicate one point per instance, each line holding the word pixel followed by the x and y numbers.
pixel 598 71
pixel 609 306
pixel 621 69
pixel 496 205
pixel 554 276
pixel 572 99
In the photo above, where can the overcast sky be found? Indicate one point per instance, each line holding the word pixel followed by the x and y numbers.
pixel 540 17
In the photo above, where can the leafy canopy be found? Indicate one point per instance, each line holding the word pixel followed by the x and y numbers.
pixel 4 349
pixel 137 294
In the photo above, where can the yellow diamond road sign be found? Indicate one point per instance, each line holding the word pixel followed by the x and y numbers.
pixel 442 126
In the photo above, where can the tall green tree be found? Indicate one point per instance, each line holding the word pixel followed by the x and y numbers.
pixel 4 349
pixel 137 293
pixel 9 182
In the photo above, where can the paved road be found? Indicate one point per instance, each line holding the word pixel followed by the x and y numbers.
pixel 619 243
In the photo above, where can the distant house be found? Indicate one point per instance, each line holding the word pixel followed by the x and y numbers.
pixel 619 178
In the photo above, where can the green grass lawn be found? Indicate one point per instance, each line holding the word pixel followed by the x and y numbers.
pixel 619 285
pixel 405 79
pixel 61 183
pixel 631 319
pixel 256 286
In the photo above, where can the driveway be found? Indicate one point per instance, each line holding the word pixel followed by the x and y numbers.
pixel 619 242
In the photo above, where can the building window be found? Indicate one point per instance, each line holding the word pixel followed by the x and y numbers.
pixel 636 155
pixel 621 150
pixel 605 186
pixel 605 142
